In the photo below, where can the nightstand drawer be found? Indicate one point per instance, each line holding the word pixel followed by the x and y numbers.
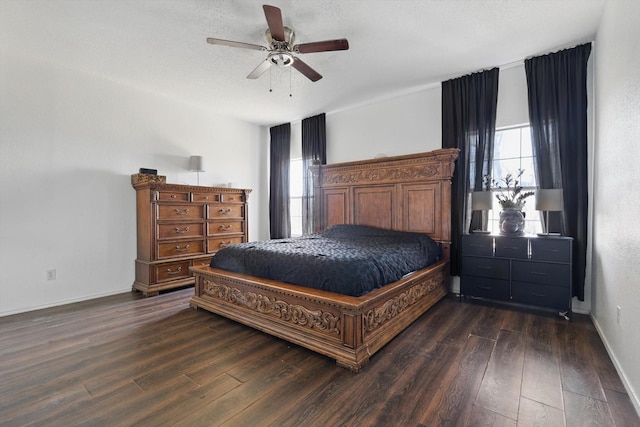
pixel 480 245
pixel 484 287
pixel 541 295
pixel 541 272
pixel 550 249
pixel 509 247
pixel 485 267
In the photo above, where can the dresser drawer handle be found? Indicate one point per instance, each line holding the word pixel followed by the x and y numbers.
pixel 486 288
pixel 182 212
pixel 225 211
pixel 182 230
pixel 538 295
pixel 539 273
pixel 173 196
pixel 476 246
pixel 225 227
pixel 515 248
pixel 551 250
pixel 179 249
pixel 178 271
pixel 224 245
pixel 480 267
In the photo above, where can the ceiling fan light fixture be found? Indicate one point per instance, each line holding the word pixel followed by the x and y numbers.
pixel 281 59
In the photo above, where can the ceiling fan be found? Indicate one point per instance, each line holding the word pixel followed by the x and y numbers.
pixel 280 40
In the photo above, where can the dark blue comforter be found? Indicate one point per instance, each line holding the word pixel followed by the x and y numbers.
pixel 346 259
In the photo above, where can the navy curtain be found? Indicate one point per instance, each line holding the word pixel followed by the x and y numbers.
pixel 469 124
pixel 557 88
pixel 279 219
pixel 314 151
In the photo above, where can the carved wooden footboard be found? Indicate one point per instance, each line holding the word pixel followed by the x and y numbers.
pixel 348 329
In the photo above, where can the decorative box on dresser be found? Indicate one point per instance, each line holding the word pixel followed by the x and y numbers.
pixel 179 226
pixel 525 270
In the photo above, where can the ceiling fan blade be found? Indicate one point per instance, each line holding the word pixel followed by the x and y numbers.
pixel 235 44
pixel 274 20
pixel 259 70
pixel 323 46
pixel 309 72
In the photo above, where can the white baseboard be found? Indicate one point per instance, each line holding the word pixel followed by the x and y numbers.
pixel 632 394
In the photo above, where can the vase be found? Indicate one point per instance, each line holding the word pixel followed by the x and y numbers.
pixel 511 222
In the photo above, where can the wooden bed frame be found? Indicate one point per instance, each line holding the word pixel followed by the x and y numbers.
pixel 410 193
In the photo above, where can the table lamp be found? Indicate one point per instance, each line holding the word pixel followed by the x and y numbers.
pixel 481 201
pixel 195 165
pixel 549 200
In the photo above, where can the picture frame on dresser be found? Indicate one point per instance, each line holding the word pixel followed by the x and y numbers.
pixel 526 271
pixel 182 226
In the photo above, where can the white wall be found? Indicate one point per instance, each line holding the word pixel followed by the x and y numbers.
pixel 616 233
pixel 68 145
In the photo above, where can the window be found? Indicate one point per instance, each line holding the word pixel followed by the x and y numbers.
pixel 513 150
pixel 295 196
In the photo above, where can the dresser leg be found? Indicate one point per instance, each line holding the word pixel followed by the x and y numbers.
pixel 565 314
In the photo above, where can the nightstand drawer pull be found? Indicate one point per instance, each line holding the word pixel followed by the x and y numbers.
pixel 179 249
pixel 515 248
pixel 178 271
pixel 182 230
pixel 539 273
pixel 471 245
pixel 225 211
pixel 224 245
pixel 538 295
pixel 486 288
pixel 182 212
pixel 482 267
pixel 551 250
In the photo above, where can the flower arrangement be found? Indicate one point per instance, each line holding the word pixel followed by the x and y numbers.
pixel 512 196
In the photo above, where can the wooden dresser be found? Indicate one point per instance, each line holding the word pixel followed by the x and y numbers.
pixel 179 226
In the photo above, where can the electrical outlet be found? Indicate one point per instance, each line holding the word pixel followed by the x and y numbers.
pixel 618 314
pixel 51 274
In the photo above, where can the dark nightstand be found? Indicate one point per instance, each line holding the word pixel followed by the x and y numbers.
pixel 526 270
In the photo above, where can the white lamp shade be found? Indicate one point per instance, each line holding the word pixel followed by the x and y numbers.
pixel 195 164
pixel 481 200
pixel 549 200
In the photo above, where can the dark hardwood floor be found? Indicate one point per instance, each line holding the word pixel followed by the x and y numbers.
pixel 128 360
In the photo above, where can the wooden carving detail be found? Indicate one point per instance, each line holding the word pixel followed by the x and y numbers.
pixel 377 316
pixel 296 314
pixel 380 175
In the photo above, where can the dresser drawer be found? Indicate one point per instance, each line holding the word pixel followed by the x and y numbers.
pixel 232 198
pixel 550 249
pixel 214 228
pixel 172 271
pixel 541 295
pixel 214 245
pixel 172 196
pixel 206 197
pixel 180 230
pixel 225 211
pixel 508 247
pixel 202 262
pixel 485 267
pixel 541 272
pixel 480 245
pixel 176 212
pixel 484 287
pixel 183 248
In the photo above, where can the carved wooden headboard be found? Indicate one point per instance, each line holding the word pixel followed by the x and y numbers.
pixel 408 193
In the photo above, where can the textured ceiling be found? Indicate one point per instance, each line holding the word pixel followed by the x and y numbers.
pixel 395 46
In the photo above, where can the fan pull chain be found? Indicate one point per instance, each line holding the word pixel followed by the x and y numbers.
pixel 270 90
pixel 290 83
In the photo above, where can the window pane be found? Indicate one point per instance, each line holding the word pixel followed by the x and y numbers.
pixel 507 144
pixel 295 178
